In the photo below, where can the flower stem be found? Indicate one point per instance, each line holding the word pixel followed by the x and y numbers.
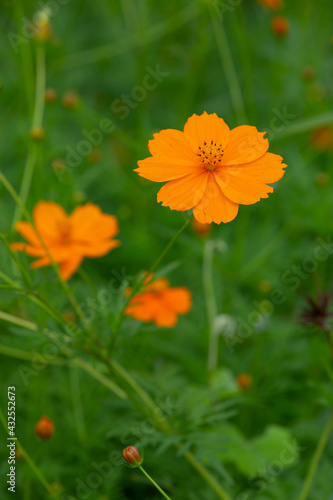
pixel 28 459
pixel 316 458
pixel 37 122
pixel 154 483
pixel 229 69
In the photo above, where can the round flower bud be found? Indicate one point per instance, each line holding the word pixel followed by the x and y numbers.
pixel 50 95
pixel 132 456
pixel 70 100
pixel 37 133
pixel 280 25
pixel 45 428
pixel 244 381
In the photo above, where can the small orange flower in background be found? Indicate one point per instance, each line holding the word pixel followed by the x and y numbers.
pixel 244 381
pixel 87 232
pixel 45 428
pixel 201 229
pixel 211 168
pixel 322 138
pixel 271 4
pixel 280 25
pixel 159 303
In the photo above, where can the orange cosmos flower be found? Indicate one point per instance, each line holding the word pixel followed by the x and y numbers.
pixel 271 4
pixel 87 232
pixel 159 303
pixel 211 168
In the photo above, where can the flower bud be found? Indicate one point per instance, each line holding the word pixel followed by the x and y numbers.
pixel 201 228
pixel 50 95
pixel 280 25
pixel 244 381
pixel 37 133
pixel 132 456
pixel 70 100
pixel 45 428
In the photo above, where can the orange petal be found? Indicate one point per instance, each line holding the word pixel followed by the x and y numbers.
pixel 143 307
pixel 178 299
pixel 246 144
pixel 206 128
pixel 48 216
pixel 246 184
pixel 28 232
pixel 28 249
pixel 97 249
pixel 171 143
pixel 164 168
pixel 215 206
pixel 45 261
pixel 185 193
pixel 68 267
pixel 89 223
pixel 165 316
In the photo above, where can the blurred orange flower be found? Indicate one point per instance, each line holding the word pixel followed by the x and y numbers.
pixel 244 381
pixel 87 232
pixel 44 428
pixel 159 303
pixel 280 25
pixel 322 138
pixel 211 168
pixel 272 4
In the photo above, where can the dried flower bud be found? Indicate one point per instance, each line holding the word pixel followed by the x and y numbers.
pixel 50 95
pixel 37 133
pixel 43 31
pixel 132 456
pixel 244 381
pixel 280 25
pixel 70 100
pixel 45 428
pixel 322 179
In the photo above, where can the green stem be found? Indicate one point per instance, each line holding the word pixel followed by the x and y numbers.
pixel 316 458
pixel 37 122
pixel 206 475
pixel 229 69
pixel 154 483
pixel 28 459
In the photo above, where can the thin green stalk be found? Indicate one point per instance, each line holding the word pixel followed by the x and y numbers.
pixel 74 378
pixel 316 458
pixel 28 459
pixel 75 361
pixel 206 475
pixel 229 68
pixel 37 122
pixel 154 483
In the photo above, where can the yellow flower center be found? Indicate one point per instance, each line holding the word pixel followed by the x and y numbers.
pixel 210 154
pixel 65 229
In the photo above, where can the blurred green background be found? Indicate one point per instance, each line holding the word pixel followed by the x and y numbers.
pixel 220 57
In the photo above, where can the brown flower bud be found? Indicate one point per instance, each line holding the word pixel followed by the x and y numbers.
pixel 50 95
pixel 244 381
pixel 132 456
pixel 70 100
pixel 45 428
pixel 280 25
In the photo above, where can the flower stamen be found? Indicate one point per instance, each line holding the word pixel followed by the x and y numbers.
pixel 210 155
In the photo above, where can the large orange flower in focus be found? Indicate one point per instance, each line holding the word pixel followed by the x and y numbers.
pixel 87 232
pixel 159 303
pixel 211 168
